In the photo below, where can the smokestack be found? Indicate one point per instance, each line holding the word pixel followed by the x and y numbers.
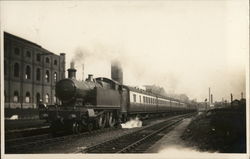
pixel 241 95
pixel 90 78
pixel 231 97
pixel 83 72
pixel 72 71
pixel 209 95
pixel 116 72
pixel 211 98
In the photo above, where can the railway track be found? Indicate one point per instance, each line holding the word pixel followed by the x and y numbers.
pixel 28 144
pixel 136 142
pixel 19 133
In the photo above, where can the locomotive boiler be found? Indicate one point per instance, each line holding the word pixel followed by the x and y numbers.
pixel 102 102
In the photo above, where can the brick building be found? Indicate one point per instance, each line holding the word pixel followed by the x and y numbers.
pixel 30 74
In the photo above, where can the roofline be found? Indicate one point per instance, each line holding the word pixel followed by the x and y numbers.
pixel 17 37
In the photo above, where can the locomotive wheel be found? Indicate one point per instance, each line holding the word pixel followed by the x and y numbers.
pixel 90 126
pixel 111 120
pixel 102 121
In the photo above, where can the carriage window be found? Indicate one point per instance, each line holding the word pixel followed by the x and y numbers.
pixel 134 95
pixel 140 98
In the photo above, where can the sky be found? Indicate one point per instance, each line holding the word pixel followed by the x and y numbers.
pixel 184 46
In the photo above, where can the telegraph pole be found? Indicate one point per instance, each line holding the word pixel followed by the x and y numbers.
pixel 209 95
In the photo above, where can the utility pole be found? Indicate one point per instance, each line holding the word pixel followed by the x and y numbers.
pixel 209 95
pixel 211 98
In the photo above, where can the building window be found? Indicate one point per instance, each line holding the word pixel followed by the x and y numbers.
pixel 38 74
pixel 16 70
pixel 55 62
pixel 38 57
pixel 47 76
pixel 5 97
pixel 55 76
pixel 16 97
pixel 54 99
pixel 5 67
pixel 38 98
pixel 134 95
pixel 17 51
pixel 27 97
pixel 27 72
pixel 47 60
pixel 47 98
pixel 28 54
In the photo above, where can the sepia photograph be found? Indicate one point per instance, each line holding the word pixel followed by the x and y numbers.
pixel 117 79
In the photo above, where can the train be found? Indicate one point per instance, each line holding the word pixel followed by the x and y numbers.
pixel 103 102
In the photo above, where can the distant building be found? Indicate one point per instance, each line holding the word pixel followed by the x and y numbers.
pixel 155 89
pixel 30 73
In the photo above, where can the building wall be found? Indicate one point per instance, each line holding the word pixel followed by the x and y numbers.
pixel 30 57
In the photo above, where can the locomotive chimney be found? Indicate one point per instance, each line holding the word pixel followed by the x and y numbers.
pixel 90 77
pixel 72 71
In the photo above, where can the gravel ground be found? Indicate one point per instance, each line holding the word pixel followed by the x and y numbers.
pixel 83 142
pixel 23 124
pixel 172 139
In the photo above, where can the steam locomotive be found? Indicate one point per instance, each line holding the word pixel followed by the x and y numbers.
pixel 102 102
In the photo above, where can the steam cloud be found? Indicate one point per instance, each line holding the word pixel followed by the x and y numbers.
pixel 133 123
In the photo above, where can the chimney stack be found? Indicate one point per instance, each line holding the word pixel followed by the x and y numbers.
pixel 90 78
pixel 72 71
pixel 116 72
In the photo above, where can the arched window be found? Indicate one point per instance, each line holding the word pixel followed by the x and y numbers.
pixel 47 60
pixel 47 76
pixel 38 74
pixel 55 76
pixel 38 57
pixel 16 70
pixel 38 98
pixel 27 97
pixel 54 99
pixel 28 54
pixel 16 97
pixel 47 98
pixel 17 51
pixel 27 72
pixel 55 62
